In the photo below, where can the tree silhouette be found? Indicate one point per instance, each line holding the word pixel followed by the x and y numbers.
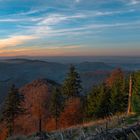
pixel 12 108
pixel 56 105
pixel 72 84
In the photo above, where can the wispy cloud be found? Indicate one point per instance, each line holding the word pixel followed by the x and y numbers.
pixel 26 13
pixel 134 2
pixel 14 40
pixel 44 31
pixel 130 2
pixel 77 1
pixel 35 51
pixel 67 47
pixel 57 18
pixel 44 24
pixel 43 28
pixel 20 19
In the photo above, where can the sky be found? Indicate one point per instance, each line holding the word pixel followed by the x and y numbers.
pixel 69 28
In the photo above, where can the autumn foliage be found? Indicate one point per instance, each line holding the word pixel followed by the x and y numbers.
pixel 72 113
pixel 43 110
pixel 115 76
pixel 37 103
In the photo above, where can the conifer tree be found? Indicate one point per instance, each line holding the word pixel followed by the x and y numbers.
pixel 103 108
pixel 92 101
pixel 12 108
pixel 117 85
pixel 57 104
pixel 84 108
pixel 98 103
pixel 72 84
pixel 136 92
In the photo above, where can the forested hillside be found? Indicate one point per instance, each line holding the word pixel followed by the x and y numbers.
pixel 44 105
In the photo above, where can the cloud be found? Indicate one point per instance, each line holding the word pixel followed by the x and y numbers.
pixel 53 19
pixel 14 41
pixel 21 19
pixel 36 51
pixel 77 1
pixel 131 2
pixel 56 18
pixel 46 25
pixel 134 2
pixel 103 50
pixel 64 47
pixel 29 12
pixel 45 31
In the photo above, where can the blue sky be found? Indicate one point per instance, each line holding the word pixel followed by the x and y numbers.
pixel 70 27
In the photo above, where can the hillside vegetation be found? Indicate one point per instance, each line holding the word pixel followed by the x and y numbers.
pixel 44 106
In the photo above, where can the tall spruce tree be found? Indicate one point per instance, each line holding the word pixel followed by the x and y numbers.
pixel 136 92
pixel 98 103
pixel 12 108
pixel 119 96
pixel 117 85
pixel 110 97
pixel 57 105
pixel 103 108
pixel 84 104
pixel 72 84
pixel 93 100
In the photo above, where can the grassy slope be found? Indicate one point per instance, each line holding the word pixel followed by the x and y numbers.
pixel 91 128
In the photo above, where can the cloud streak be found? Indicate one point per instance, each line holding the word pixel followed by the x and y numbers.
pixel 134 2
pixel 35 51
pixel 77 1
pixel 14 41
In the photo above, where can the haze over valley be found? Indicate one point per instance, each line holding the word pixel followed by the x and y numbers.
pixel 93 71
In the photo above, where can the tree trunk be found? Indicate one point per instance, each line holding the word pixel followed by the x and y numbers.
pixel 56 123
pixel 13 126
pixel 56 118
pixel 129 109
pixel 40 124
pixel 9 130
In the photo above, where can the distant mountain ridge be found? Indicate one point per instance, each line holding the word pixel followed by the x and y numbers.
pixel 22 71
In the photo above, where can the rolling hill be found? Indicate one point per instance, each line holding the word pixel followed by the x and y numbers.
pixel 23 71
